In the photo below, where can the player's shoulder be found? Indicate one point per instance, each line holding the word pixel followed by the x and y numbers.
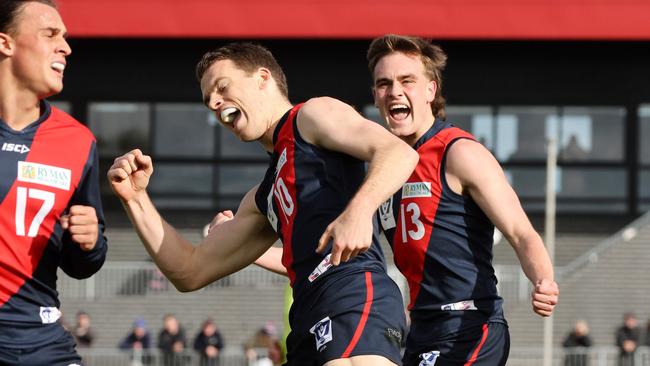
pixel 319 107
pixel 468 158
pixel 465 149
pixel 64 120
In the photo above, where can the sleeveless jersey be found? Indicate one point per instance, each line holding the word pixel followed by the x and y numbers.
pixel 442 241
pixel 306 188
pixel 45 168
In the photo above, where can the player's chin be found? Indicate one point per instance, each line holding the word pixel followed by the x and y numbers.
pixel 401 130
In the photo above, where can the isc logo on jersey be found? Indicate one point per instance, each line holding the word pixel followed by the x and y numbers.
pixel 19 148
pixel 46 175
pixel 416 189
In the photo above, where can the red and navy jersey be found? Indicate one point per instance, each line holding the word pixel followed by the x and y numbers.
pixel 44 169
pixel 442 242
pixel 304 190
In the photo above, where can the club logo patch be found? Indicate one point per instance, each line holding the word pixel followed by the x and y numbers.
pixel 416 189
pixel 429 358
pixel 46 175
pixel 323 333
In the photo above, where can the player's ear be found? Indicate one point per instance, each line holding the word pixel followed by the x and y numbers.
pixel 432 86
pixel 7 45
pixel 263 77
pixel 374 95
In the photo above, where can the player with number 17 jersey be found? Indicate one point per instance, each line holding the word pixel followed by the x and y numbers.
pixel 46 168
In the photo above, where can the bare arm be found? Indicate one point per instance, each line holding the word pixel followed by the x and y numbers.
pixel 334 125
pixel 227 249
pixel 489 188
pixel 271 260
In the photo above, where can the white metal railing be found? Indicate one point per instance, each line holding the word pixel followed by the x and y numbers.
pixel 521 356
pixel 624 235
pixel 131 278
pixel 513 285
pixel 134 278
pixel 594 356
pixel 229 356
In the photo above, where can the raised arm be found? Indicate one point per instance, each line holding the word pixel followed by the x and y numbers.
pixel 336 126
pixel 228 248
pixel 489 188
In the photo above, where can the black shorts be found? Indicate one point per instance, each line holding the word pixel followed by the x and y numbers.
pixel 61 352
pixel 358 314
pixel 486 345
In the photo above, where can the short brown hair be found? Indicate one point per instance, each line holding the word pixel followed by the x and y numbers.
pixel 433 58
pixel 248 57
pixel 9 10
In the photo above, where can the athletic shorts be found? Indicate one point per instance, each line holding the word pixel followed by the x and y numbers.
pixel 486 345
pixel 358 314
pixel 62 352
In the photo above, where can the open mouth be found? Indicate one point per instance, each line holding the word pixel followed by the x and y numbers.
pixel 399 111
pixel 58 67
pixel 229 115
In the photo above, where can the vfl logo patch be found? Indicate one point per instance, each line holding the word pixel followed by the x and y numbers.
pixel 323 333
pixel 46 175
pixel 416 189
pixel 386 214
pixel 429 358
pixel 49 315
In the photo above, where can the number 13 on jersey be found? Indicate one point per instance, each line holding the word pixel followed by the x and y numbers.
pixel 409 215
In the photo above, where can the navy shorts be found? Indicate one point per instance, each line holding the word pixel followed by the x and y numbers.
pixel 62 352
pixel 486 345
pixel 357 314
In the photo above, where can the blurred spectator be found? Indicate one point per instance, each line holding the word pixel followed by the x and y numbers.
pixel 646 341
pixel 576 344
pixel 573 150
pixel 172 342
pixel 208 343
pixel 138 342
pixel 82 331
pixel 265 339
pixel 627 340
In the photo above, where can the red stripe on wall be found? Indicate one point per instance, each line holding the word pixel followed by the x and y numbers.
pixel 442 19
